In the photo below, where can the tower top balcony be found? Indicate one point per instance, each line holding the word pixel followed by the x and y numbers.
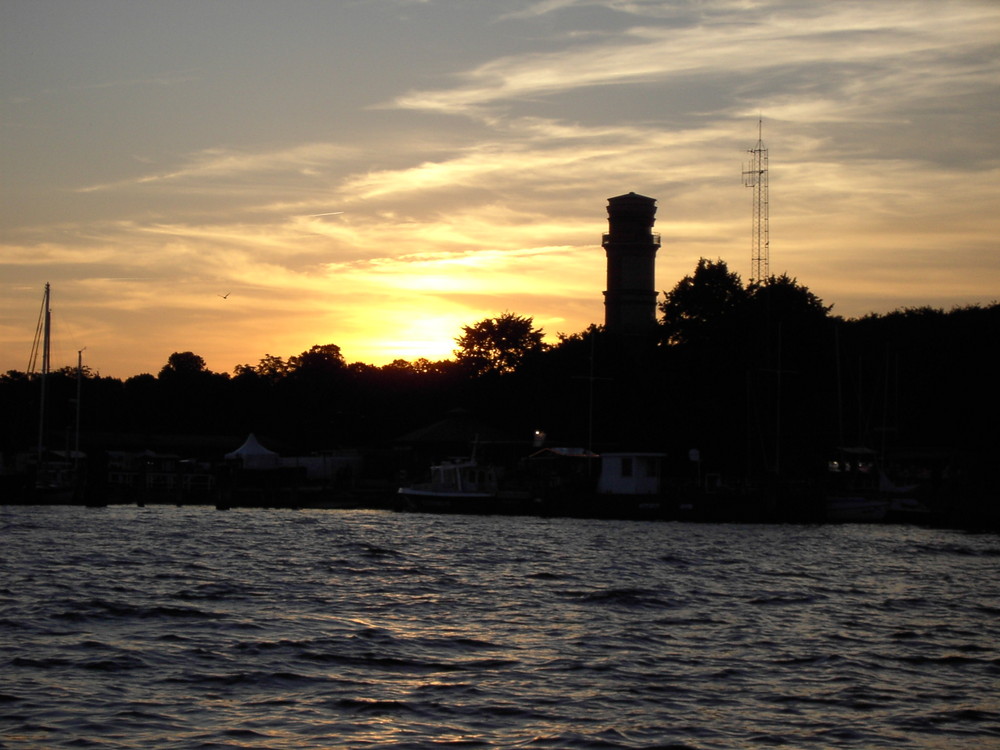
pixel 653 238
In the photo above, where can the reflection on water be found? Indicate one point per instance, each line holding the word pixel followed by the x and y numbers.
pixel 184 627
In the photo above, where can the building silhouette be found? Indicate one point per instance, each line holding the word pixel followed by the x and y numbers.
pixel 631 245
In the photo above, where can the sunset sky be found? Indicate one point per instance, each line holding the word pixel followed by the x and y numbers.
pixel 378 173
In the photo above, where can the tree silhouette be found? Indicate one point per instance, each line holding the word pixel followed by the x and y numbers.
pixel 498 345
pixel 191 398
pixel 703 304
pixel 320 360
pixel 270 368
pixel 183 364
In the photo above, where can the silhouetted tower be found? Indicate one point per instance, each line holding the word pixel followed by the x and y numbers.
pixel 755 176
pixel 631 245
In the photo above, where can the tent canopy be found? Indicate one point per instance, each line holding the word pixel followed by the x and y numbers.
pixel 253 454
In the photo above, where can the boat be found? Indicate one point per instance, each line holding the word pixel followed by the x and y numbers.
pixel 855 508
pixel 464 485
pixel 910 510
pixel 456 485
pixel 57 474
pixel 856 490
pixel 904 504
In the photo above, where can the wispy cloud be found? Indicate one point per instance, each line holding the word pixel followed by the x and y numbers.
pixel 169 78
pixel 214 163
pixel 888 35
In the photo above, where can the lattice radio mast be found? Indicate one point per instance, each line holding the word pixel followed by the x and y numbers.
pixel 755 176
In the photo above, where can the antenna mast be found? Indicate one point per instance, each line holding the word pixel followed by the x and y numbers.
pixel 755 177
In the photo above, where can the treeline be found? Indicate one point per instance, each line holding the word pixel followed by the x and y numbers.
pixel 759 378
pixel 769 364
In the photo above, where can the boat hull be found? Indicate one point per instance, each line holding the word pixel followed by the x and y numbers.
pixel 857 509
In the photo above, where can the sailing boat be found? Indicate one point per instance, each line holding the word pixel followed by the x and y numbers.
pixel 852 487
pixel 855 492
pixel 57 473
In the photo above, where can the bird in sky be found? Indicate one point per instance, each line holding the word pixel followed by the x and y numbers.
pixel 225 296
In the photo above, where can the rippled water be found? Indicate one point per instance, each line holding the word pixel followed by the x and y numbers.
pixel 166 627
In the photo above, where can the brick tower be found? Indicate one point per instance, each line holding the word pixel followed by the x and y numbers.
pixel 631 245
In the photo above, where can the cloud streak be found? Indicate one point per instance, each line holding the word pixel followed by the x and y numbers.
pixel 889 36
pixel 216 163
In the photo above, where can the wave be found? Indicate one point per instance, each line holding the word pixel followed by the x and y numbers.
pixel 98 609
pixel 626 597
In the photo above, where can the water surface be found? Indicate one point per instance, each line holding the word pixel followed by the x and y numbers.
pixel 168 627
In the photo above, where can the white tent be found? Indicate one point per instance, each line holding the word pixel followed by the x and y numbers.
pixel 253 455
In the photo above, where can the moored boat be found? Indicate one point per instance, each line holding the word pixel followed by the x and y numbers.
pixel 56 477
pixel 456 485
pixel 854 491
pixel 856 508
pixel 463 485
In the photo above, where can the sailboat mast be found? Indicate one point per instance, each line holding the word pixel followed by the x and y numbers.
pixel 79 388
pixel 46 351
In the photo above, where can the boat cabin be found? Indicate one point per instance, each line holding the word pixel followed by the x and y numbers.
pixel 630 474
pixel 461 475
